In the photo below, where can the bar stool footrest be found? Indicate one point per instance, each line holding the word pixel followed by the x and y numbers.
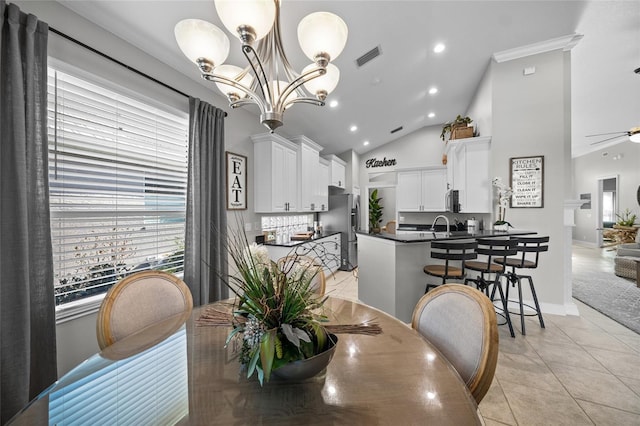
pixel 534 312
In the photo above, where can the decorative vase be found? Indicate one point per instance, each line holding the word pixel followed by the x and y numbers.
pixel 504 227
pixel 306 368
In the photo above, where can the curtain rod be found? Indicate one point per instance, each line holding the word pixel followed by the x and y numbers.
pixel 104 55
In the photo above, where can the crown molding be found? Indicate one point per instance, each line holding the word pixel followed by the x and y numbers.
pixel 565 43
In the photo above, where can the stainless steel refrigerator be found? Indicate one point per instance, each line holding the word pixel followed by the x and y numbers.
pixel 343 216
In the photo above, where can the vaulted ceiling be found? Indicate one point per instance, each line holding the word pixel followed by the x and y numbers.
pixel 392 90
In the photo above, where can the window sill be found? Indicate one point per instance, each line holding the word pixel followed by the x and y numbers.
pixel 80 308
pixel 83 307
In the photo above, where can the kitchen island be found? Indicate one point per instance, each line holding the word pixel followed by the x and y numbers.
pixel 390 267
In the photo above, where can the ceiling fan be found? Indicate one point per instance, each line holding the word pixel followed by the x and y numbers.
pixel 633 133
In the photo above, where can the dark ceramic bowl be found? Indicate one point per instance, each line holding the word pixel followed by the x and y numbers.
pixel 307 368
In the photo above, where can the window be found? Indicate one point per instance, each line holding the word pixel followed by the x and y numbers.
pixel 117 181
pixel 608 206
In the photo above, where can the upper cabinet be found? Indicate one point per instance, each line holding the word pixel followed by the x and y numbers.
pixel 337 171
pixel 422 190
pixel 308 170
pixel 275 174
pixel 323 185
pixel 468 172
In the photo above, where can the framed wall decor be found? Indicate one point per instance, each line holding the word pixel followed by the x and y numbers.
pixel 236 181
pixel 527 181
pixel 586 201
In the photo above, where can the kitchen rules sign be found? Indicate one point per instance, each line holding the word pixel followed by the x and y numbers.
pixel 527 181
pixel 236 181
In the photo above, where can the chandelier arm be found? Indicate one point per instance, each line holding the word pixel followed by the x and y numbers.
pixel 289 70
pixel 311 101
pixel 241 102
pixel 255 98
pixel 247 49
pixel 299 81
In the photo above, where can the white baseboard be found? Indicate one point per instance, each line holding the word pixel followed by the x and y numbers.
pixel 550 308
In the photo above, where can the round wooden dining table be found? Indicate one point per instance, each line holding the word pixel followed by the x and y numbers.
pixel 179 372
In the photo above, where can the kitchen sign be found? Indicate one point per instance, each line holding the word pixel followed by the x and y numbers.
pixel 374 162
pixel 236 181
pixel 527 181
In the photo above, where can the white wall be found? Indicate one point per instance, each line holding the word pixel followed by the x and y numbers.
pixel 76 339
pixel 530 118
pixel 480 109
pixel 587 169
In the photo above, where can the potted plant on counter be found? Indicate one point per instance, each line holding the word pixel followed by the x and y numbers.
pixel 375 212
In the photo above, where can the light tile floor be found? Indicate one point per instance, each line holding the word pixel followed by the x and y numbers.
pixel 580 370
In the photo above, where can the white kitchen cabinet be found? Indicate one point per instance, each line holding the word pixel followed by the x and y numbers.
pixel 323 185
pixel 422 190
pixel 468 172
pixel 308 170
pixel 337 171
pixel 274 174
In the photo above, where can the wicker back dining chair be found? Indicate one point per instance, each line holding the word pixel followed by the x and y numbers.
pixel 461 322
pixel 138 301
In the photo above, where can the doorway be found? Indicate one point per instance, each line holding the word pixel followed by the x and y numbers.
pixel 388 194
pixel 607 206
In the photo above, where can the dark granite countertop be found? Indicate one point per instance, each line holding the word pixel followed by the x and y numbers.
pixel 298 242
pixel 426 236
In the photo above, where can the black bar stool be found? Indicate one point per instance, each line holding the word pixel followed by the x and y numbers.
pixel 534 245
pixel 449 251
pixel 493 249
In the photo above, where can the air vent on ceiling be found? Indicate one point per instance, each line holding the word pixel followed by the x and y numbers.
pixel 397 129
pixel 373 53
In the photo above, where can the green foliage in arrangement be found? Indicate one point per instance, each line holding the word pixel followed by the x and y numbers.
pixel 277 309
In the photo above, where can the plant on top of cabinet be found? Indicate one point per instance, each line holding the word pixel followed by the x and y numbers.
pixel 458 128
pixel 375 212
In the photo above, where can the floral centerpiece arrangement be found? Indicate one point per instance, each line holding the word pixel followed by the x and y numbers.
pixel 277 311
pixel 504 195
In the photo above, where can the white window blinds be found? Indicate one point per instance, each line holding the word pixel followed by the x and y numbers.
pixel 117 180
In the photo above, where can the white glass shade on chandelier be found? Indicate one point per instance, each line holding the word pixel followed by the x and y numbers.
pixel 634 135
pixel 269 81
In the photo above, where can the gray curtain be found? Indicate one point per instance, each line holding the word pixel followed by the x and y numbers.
pixel 27 310
pixel 205 256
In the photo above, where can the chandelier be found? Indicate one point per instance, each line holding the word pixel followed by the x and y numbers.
pixel 269 81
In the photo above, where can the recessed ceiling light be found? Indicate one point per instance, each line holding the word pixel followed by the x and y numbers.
pixel 333 103
pixel 431 115
pixel 365 143
pixel 438 48
pixel 353 128
pixel 433 90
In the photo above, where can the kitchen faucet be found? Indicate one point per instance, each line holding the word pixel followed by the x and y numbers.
pixel 433 226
